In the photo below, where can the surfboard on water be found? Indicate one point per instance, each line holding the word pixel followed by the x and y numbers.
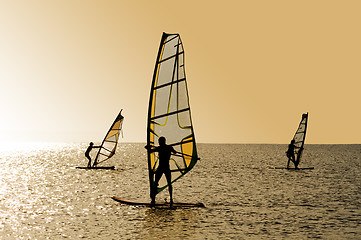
pixel 295 169
pixel 157 204
pixel 111 167
pixel 109 145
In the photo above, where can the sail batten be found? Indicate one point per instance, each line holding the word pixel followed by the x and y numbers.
pixel 170 83
pixel 170 113
pixel 170 39
pixel 175 55
pixel 179 143
pixel 169 106
pixel 109 144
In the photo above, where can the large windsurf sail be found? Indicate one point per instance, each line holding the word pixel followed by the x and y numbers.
pixel 169 113
pixel 110 142
pixel 300 137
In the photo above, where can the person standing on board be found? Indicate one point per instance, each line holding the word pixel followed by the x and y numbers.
pixel 164 153
pixel 291 153
pixel 90 147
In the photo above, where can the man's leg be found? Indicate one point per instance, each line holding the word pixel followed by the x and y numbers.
pixel 296 163
pixel 288 162
pixel 170 188
pixel 158 175
pixel 90 160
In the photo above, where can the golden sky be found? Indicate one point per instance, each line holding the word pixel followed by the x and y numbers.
pixel 253 67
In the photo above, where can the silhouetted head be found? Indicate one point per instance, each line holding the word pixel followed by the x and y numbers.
pixel 91 143
pixel 292 141
pixel 161 141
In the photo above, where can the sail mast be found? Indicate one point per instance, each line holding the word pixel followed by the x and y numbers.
pixel 150 136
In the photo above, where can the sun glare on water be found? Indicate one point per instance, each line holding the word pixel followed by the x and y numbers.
pixel 11 147
pixel 26 181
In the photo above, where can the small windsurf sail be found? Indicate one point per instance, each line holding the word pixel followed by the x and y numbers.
pixel 110 142
pixel 300 137
pixel 169 113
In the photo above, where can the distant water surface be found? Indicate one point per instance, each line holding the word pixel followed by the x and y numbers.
pixel 43 196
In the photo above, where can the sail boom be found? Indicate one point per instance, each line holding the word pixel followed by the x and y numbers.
pixel 180 143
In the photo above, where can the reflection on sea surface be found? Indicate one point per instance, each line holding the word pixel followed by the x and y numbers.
pixel 43 195
pixel 170 223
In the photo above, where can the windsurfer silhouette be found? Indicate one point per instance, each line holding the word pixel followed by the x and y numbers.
pixel 90 147
pixel 291 154
pixel 165 152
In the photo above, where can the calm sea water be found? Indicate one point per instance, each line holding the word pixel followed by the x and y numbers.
pixel 43 196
